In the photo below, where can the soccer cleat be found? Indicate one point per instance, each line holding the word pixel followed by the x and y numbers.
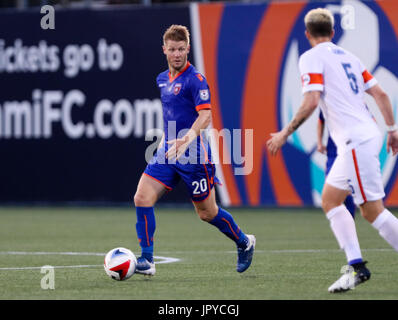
pixel 245 256
pixel 145 267
pixel 352 276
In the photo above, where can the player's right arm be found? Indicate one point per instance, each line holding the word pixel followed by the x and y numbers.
pixel 201 99
pixel 308 105
pixel 311 70
pixel 383 102
pixel 179 146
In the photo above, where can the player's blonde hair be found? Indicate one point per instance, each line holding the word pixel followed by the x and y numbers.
pixel 319 22
pixel 176 32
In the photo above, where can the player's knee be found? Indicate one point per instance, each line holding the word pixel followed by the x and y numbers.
pixel 206 214
pixel 142 200
pixel 329 202
pixel 366 214
pixel 370 210
pixel 326 205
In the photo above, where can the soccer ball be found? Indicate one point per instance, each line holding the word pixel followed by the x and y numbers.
pixel 120 263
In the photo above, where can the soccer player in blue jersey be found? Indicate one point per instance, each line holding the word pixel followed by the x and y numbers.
pixel 331 152
pixel 183 153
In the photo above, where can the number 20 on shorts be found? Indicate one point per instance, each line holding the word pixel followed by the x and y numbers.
pixel 200 186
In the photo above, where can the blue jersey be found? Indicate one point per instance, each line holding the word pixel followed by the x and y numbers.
pixel 331 149
pixel 182 98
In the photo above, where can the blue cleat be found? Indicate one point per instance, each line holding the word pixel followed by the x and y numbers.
pixel 245 256
pixel 145 267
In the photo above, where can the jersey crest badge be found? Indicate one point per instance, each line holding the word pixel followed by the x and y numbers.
pixel 177 88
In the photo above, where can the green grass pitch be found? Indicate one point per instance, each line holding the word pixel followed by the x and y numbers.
pixel 296 256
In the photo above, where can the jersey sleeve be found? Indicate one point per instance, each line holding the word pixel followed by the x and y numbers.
pixel 159 81
pixel 368 79
pixel 311 72
pixel 200 92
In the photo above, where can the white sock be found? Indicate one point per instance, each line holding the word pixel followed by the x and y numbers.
pixel 343 227
pixel 387 225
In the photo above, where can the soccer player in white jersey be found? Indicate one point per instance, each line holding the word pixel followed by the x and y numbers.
pixel 336 80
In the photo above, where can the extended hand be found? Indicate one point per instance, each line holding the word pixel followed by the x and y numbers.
pixel 321 148
pixel 276 142
pixel 392 142
pixel 177 148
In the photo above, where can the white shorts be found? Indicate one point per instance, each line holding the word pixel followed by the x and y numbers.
pixel 358 171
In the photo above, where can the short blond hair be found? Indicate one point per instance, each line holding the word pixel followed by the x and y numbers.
pixel 176 32
pixel 319 22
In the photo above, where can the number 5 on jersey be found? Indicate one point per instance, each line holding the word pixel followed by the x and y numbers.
pixel 351 77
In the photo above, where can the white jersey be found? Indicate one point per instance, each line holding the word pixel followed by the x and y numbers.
pixel 342 79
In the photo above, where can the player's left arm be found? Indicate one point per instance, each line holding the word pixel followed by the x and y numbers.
pixel 308 105
pixel 384 104
pixel 202 122
pixel 320 128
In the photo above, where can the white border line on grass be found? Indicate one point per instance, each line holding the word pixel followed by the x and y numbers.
pixel 40 253
pixel 55 267
pixel 161 258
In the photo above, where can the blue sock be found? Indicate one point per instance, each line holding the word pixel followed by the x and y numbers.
pixel 350 205
pixel 145 228
pixel 354 261
pixel 226 224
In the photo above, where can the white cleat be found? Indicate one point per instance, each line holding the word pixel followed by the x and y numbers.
pixel 345 282
pixel 352 276
pixel 145 267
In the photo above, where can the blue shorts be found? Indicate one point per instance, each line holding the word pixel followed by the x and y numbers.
pixel 198 178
